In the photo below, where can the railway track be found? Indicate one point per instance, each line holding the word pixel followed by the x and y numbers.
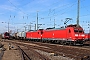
pixel 27 52
pixel 24 54
pixel 78 53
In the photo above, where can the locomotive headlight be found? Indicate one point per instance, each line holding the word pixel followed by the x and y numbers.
pixel 76 34
pixel 82 35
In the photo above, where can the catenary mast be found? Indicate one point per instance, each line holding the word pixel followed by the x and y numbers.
pixel 78 9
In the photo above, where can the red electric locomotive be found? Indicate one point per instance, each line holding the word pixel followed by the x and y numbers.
pixel 71 35
pixel 87 36
pixel 32 35
pixel 6 35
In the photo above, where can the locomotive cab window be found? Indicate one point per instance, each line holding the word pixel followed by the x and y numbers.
pixel 78 31
pixel 7 34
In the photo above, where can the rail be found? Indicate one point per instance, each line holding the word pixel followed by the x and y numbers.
pixel 1 55
pixel 80 53
pixel 24 54
pixel 42 57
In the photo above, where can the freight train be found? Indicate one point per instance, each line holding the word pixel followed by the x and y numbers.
pixel 71 34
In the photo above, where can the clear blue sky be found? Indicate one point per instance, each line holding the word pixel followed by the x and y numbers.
pixel 18 12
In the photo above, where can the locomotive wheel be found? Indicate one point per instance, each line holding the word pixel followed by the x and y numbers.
pixel 62 42
pixel 72 43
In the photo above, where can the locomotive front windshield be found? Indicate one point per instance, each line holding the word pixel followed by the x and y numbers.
pixel 7 34
pixel 78 31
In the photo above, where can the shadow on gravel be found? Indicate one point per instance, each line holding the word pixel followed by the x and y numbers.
pixel 86 45
pixel 86 58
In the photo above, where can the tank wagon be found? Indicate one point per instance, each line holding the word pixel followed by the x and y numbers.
pixel 23 35
pixel 14 35
pixel 68 35
pixel 19 35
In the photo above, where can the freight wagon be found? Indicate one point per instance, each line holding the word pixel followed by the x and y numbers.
pixel 19 35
